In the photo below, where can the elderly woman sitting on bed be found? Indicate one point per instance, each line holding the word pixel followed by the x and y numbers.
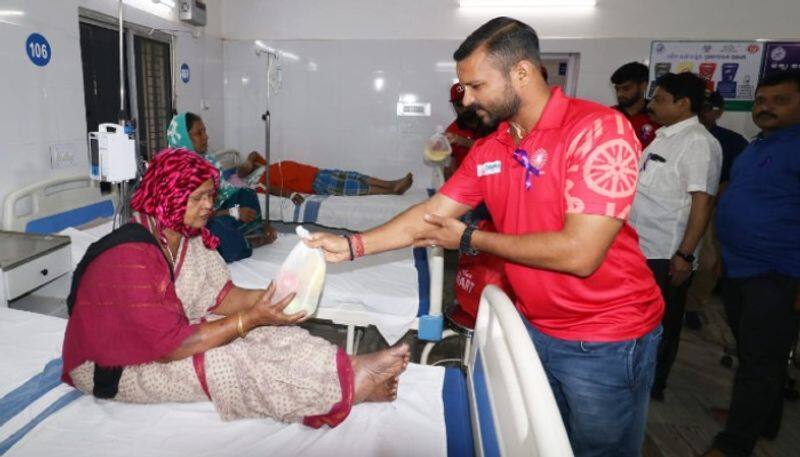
pixel 237 222
pixel 155 318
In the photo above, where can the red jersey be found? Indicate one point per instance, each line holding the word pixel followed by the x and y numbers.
pixel 459 152
pixel 587 160
pixel 476 272
pixel 643 125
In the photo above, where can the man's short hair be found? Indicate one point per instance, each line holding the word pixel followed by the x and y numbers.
pixel 507 40
pixel 779 78
pixel 631 72
pixel 685 85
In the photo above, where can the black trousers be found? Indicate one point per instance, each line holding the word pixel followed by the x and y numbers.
pixel 764 322
pixel 675 300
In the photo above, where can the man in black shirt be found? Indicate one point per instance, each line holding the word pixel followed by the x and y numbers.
pixel 710 265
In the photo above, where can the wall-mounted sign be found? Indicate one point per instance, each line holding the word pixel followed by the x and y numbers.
pixel 730 67
pixel 38 49
pixel 185 73
pixel 780 56
pixel 413 109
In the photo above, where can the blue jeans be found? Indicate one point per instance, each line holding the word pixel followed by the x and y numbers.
pixel 602 390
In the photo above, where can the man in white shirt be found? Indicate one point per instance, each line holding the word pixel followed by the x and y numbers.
pixel 678 179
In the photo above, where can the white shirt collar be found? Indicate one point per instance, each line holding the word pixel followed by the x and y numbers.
pixel 676 128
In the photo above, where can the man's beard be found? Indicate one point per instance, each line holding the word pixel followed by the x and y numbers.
pixel 628 103
pixel 502 110
pixel 468 120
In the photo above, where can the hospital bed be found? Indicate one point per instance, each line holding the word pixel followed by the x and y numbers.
pixel 390 291
pixel 356 214
pixel 55 204
pixel 502 406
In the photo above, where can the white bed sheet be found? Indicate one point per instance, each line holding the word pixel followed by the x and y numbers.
pixel 380 290
pixel 412 425
pixel 352 213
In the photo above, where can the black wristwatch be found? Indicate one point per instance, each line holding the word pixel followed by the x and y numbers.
pixel 465 247
pixel 689 258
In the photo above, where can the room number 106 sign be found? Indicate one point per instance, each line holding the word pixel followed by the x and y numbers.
pixel 38 49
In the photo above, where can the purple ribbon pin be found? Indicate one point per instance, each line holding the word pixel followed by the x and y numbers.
pixel 521 156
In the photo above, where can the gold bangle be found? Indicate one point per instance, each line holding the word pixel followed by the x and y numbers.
pixel 240 326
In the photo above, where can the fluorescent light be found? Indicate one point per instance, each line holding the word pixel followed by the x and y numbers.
pixel 168 3
pixel 526 3
pixel 10 13
pixel 378 84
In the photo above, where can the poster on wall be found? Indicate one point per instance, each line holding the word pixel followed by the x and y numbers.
pixel 730 67
pixel 780 56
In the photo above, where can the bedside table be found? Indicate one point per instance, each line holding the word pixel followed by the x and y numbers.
pixel 28 261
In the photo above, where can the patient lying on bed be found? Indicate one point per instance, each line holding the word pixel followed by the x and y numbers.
pixel 155 318
pixel 292 179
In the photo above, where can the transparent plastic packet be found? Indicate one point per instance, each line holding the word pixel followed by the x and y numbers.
pixel 437 148
pixel 303 272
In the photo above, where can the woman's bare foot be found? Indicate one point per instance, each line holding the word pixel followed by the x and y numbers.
pixel 402 185
pixel 376 374
pixel 384 392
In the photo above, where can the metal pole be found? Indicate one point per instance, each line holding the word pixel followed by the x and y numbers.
pixel 267 117
pixel 267 120
pixel 121 66
pixel 173 65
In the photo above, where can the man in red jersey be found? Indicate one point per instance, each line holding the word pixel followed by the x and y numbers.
pixel 558 177
pixel 464 130
pixel 630 85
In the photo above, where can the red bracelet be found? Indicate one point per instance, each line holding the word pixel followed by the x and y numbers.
pixel 350 246
pixel 358 244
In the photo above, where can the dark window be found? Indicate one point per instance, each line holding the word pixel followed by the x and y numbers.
pixel 100 59
pixel 154 94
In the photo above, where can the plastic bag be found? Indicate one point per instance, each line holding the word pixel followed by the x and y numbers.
pixel 302 272
pixel 438 149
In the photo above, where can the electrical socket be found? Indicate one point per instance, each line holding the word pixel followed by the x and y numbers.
pixel 62 155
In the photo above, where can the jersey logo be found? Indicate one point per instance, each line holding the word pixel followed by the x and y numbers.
pixel 489 168
pixel 538 159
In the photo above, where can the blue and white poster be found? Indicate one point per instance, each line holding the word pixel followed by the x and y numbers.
pixel 185 73
pixel 729 67
pixel 780 56
pixel 38 49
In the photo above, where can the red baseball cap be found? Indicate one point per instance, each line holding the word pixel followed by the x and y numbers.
pixel 456 92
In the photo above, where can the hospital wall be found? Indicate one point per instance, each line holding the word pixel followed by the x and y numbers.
pixel 328 111
pixel 44 106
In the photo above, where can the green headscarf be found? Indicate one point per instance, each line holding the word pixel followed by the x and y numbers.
pixel 178 137
pixel 178 134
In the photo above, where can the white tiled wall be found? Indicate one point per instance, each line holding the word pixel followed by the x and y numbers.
pixel 43 106
pixel 328 111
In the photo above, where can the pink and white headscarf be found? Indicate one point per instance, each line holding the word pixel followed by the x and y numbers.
pixel 164 191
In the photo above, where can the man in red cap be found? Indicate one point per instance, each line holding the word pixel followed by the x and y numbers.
pixel 463 131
